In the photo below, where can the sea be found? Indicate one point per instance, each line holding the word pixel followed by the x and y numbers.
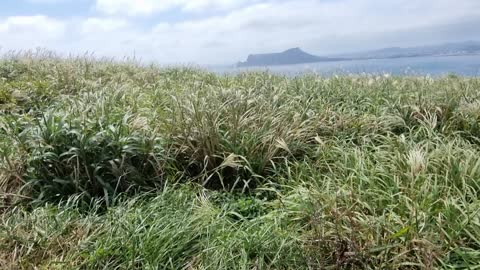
pixel 465 65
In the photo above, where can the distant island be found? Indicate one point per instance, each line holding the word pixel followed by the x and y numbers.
pixel 298 56
pixel 288 57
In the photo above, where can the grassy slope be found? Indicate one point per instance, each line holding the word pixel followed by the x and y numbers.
pixel 107 165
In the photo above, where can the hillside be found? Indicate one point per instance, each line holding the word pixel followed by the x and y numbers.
pixel 458 48
pixel 107 165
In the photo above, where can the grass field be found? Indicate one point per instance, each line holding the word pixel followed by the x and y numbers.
pixel 107 165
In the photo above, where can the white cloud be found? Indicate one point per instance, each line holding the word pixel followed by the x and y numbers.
pixel 200 5
pixel 40 26
pixel 321 27
pixel 101 25
pixel 148 7
pixel 29 32
pixel 134 7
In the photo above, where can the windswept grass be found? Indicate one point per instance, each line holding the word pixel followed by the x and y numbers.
pixel 116 166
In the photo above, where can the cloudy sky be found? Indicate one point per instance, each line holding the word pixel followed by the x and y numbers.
pixel 226 31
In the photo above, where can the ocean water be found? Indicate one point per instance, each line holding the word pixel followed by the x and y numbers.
pixel 466 65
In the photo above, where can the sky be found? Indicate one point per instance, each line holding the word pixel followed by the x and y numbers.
pixel 226 31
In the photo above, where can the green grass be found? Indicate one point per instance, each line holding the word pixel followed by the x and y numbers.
pixel 107 165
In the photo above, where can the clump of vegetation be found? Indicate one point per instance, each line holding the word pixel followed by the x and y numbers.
pixel 118 165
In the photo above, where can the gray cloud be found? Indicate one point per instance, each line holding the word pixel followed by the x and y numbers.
pixel 322 27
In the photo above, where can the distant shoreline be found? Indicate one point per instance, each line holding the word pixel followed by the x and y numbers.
pixel 359 59
pixel 298 56
pixel 413 56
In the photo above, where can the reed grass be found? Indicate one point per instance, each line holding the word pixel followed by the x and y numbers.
pixel 114 165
